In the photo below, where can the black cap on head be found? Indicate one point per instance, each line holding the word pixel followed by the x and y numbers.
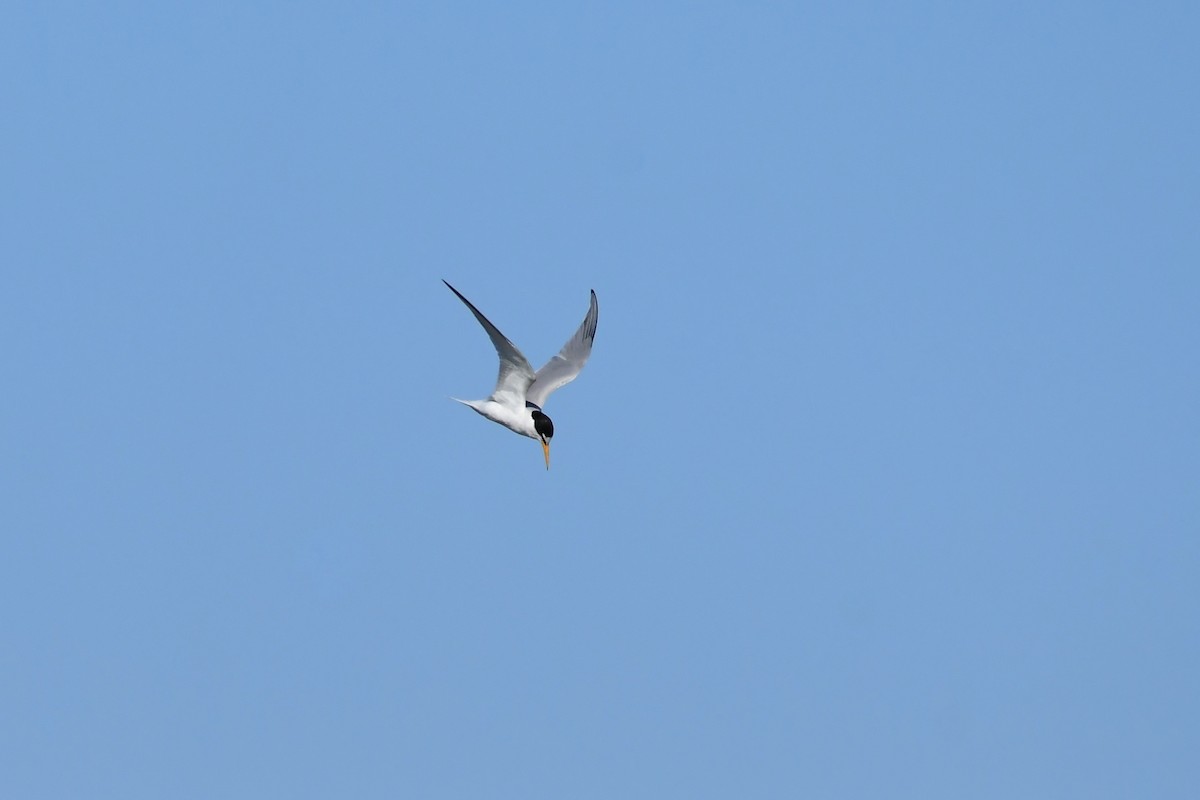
pixel 542 424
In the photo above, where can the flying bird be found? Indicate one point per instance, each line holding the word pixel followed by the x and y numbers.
pixel 516 402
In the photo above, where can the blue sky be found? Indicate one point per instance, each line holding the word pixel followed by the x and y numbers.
pixel 881 481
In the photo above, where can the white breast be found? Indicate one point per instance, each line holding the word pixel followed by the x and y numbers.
pixel 517 421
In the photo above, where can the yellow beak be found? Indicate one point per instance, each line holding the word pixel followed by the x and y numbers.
pixel 546 450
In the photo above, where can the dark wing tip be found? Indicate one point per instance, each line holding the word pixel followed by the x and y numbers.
pixel 593 316
pixel 459 294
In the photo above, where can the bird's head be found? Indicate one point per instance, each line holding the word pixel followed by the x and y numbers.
pixel 545 431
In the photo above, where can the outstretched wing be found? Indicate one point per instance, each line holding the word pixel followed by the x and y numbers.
pixel 563 368
pixel 515 372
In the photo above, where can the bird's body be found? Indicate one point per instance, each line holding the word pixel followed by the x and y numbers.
pixel 516 402
pixel 516 420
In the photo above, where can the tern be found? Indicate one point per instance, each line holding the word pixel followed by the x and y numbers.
pixel 516 402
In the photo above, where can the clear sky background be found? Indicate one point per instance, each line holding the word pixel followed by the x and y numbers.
pixel 882 480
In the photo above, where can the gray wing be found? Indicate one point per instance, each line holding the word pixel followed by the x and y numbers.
pixel 564 367
pixel 515 372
